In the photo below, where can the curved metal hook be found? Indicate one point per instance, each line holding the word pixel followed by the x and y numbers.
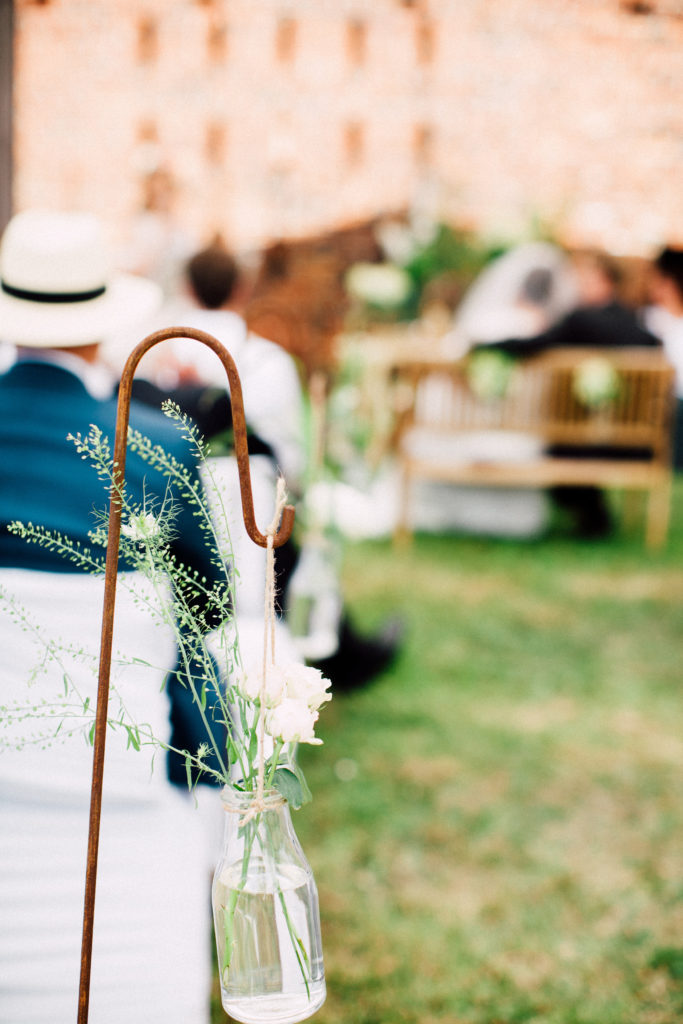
pixel 114 536
pixel 238 419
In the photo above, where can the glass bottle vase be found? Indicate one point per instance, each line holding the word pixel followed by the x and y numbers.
pixel 314 603
pixel 266 917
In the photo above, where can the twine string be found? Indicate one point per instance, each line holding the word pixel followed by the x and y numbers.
pixel 258 803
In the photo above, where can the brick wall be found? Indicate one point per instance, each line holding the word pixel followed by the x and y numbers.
pixel 286 117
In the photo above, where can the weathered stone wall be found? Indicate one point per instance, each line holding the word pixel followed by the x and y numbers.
pixel 286 117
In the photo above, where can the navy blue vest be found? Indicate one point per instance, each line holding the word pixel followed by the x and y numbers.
pixel 43 480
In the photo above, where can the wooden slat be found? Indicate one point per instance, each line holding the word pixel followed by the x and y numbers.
pixel 546 471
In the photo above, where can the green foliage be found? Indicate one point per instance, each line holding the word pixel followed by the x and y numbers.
pixel 291 784
pixel 450 250
pixel 449 253
pixel 671 960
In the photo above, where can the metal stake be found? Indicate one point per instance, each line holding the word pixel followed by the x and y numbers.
pixel 283 534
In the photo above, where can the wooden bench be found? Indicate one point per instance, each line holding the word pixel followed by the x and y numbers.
pixel 447 432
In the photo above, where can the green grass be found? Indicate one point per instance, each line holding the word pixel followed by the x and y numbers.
pixel 497 824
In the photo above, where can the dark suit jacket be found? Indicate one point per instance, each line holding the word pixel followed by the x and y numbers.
pixel 609 326
pixel 43 480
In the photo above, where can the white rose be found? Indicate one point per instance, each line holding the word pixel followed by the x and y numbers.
pixel 307 684
pixel 292 721
pixel 250 684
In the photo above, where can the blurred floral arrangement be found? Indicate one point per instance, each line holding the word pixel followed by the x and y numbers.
pixel 383 286
pixel 418 253
pixel 489 372
pixel 596 382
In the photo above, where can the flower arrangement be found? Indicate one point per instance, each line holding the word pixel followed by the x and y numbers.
pixel 293 695
pixel 489 373
pixel 380 285
pixel 596 382
pixel 254 719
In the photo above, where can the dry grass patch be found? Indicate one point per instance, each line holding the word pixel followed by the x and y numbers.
pixel 639 585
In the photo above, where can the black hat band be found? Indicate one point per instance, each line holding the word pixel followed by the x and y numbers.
pixel 54 297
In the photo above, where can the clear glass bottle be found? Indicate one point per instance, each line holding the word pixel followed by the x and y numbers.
pixel 314 604
pixel 266 917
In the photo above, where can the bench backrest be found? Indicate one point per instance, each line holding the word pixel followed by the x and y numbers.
pixel 542 398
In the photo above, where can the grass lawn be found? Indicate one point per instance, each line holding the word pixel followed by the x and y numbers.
pixel 496 829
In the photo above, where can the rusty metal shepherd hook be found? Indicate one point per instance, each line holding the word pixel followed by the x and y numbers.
pixel 283 534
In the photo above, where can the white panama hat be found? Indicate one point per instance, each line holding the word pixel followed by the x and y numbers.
pixel 56 286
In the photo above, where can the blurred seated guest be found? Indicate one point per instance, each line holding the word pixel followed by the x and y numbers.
pixel 533 301
pixel 212 300
pixel 518 294
pixel 151 956
pixel 274 410
pixel 598 321
pixel 664 318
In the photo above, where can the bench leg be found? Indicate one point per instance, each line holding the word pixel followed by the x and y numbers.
pixel 632 505
pixel 403 533
pixel 658 514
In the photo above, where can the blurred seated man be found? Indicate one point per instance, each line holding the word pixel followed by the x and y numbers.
pixel 664 318
pixel 216 292
pixel 599 320
pixel 151 957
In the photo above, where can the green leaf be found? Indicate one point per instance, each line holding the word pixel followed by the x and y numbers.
pixel 302 951
pixel 292 787
pixel 133 739
pixel 253 745
pixel 296 768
